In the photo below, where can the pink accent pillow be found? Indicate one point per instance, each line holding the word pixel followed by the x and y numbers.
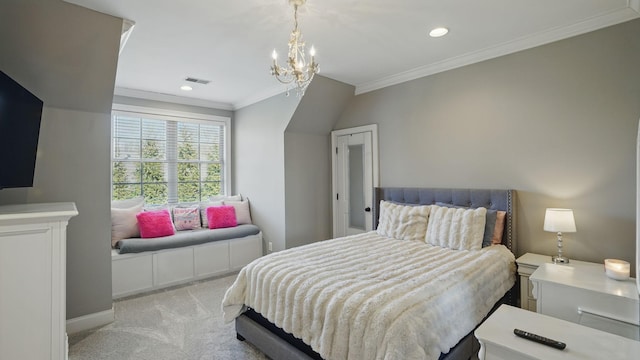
pixel 499 229
pixel 221 217
pixel 155 223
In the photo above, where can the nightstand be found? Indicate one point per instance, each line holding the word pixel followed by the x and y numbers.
pixel 582 293
pixel 497 341
pixel 527 264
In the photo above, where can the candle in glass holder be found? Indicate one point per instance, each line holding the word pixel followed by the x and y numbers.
pixel 617 269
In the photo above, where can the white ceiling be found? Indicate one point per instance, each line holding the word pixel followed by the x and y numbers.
pixel 366 43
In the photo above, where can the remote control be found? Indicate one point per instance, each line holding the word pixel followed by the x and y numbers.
pixel 540 339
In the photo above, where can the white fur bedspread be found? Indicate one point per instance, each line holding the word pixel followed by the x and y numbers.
pixel 372 297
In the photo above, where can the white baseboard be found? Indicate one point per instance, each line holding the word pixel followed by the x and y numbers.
pixel 90 321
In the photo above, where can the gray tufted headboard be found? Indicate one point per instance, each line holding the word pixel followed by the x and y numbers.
pixel 491 199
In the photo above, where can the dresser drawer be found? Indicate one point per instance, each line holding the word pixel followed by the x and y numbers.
pixel 614 314
pixel 608 322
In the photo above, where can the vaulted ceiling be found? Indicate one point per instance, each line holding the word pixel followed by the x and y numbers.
pixel 366 43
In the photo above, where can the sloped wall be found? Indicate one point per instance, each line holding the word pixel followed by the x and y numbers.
pixel 67 55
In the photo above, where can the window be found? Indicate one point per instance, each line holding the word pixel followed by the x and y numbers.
pixel 168 157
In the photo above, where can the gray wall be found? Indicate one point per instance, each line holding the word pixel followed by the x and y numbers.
pixel 72 144
pixel 308 188
pixel 67 56
pixel 307 161
pixel 557 123
pixel 258 159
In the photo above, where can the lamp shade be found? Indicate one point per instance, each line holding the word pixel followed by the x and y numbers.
pixel 559 220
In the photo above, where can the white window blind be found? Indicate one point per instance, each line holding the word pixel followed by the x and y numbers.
pixel 166 158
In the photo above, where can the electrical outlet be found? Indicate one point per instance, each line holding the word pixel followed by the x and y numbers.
pixel 270 246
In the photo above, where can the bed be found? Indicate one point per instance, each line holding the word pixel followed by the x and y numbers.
pixel 377 295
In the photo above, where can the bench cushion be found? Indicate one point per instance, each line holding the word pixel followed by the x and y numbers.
pixel 185 238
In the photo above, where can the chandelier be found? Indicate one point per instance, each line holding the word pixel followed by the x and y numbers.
pixel 299 70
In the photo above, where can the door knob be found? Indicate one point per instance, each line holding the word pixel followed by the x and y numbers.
pixel 367 209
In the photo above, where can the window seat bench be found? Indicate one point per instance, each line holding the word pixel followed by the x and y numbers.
pixel 141 265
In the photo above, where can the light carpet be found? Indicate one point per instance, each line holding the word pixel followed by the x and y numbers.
pixel 180 323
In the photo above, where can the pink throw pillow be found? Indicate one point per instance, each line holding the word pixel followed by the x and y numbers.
pixel 155 223
pixel 499 229
pixel 221 217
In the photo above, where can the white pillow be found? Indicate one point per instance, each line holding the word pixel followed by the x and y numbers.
pixel 226 198
pixel 203 211
pixel 403 222
pixel 128 203
pixel 456 228
pixel 243 215
pixel 124 224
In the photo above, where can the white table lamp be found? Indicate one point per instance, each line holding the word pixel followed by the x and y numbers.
pixel 559 221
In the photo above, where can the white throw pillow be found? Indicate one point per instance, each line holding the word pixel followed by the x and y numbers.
pixel 124 224
pixel 456 228
pixel 403 222
pixel 203 211
pixel 243 215
pixel 128 203
pixel 226 198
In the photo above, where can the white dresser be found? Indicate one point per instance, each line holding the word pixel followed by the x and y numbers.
pixel 33 280
pixel 498 342
pixel 581 292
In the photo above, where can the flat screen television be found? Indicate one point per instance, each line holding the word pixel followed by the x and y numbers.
pixel 20 114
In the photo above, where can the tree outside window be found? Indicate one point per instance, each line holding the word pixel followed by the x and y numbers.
pixel 166 161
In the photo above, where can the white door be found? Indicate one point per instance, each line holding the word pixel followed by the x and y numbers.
pixel 355 176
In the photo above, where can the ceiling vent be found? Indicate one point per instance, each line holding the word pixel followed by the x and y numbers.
pixel 197 81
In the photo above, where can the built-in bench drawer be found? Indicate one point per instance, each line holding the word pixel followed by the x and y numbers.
pixel 212 259
pixel 243 251
pixel 174 266
pixel 131 272
pixel 140 272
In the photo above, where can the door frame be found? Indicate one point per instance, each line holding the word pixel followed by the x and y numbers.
pixel 373 128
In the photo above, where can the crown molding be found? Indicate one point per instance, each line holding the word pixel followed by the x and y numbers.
pixel 632 11
pixel 149 95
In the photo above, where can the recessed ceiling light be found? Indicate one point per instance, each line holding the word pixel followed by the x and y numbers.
pixel 186 88
pixel 439 31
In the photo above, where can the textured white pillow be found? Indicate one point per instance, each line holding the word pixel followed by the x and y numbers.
pixel 403 222
pixel 124 224
pixel 455 228
pixel 226 198
pixel 243 215
pixel 203 211
pixel 127 203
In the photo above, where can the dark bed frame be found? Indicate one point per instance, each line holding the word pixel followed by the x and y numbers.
pixel 279 345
